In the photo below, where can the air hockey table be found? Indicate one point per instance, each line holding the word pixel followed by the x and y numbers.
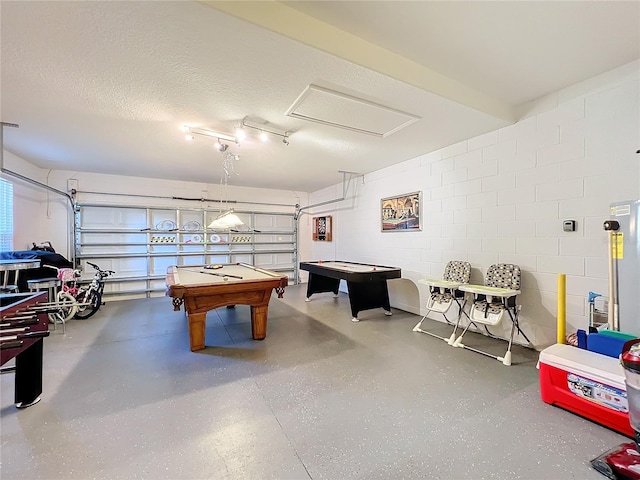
pixel 367 284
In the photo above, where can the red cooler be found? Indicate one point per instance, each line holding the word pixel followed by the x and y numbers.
pixel 586 383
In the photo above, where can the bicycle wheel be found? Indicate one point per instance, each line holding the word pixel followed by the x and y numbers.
pixel 93 301
pixel 66 308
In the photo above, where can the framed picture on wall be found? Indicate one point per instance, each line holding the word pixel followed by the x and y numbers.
pixel 401 213
pixel 322 228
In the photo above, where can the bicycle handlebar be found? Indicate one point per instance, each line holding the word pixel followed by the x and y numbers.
pixel 108 272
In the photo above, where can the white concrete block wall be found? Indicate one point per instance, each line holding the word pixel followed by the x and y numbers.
pixel 501 198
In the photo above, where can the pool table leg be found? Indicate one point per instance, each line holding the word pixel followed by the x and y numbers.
pixel 197 327
pixel 259 322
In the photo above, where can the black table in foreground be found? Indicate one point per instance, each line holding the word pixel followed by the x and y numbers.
pixel 22 329
pixel 367 284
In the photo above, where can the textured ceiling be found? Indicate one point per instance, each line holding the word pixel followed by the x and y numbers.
pixel 106 86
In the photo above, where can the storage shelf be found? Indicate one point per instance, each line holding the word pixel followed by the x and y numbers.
pixel 138 291
pixel 182 232
pixel 131 246
pixel 140 278
pixel 155 244
pixel 181 254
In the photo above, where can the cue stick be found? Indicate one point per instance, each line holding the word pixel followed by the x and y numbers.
pixel 220 274
pixel 212 273
pixel 259 270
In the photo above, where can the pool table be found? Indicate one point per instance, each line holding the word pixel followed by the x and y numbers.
pixel 205 287
pixel 367 284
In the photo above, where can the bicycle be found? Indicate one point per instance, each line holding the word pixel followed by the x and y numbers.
pixel 89 297
pixel 75 301
pixel 66 302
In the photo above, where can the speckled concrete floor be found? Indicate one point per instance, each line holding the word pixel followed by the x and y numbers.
pixel 320 398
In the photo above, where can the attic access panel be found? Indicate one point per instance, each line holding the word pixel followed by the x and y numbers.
pixel 321 105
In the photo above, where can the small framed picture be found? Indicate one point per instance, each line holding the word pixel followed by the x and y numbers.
pixel 322 229
pixel 401 213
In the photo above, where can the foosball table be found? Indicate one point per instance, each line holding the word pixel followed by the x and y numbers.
pixel 23 325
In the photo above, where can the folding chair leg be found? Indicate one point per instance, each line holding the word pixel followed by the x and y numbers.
pixel 452 339
pixel 514 319
pixel 418 329
pixel 458 341
pixel 506 360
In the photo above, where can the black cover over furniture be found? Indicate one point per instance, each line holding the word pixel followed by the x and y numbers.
pixel 46 258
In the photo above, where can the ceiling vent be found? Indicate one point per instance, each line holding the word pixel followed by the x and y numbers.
pixel 340 110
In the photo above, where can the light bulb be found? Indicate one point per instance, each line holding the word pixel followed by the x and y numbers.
pixel 240 134
pixel 188 137
pixel 263 136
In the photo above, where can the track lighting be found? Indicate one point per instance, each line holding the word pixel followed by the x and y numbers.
pixel 264 130
pixel 205 132
pixel 241 134
pixel 221 147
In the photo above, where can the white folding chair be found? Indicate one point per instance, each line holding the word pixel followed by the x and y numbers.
pixel 443 293
pixel 491 301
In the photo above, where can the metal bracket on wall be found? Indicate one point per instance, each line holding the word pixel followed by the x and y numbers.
pixel 345 187
pixel 2 125
pixel 346 180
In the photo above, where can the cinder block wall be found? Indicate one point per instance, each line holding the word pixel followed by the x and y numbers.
pixel 502 197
